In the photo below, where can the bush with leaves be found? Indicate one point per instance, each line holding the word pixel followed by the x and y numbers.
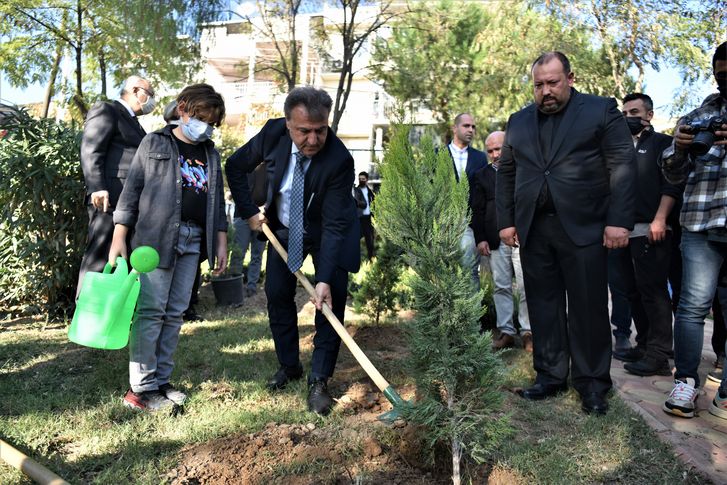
pixel 377 294
pixel 423 210
pixel 44 220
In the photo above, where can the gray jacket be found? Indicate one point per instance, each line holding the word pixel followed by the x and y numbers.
pixel 151 201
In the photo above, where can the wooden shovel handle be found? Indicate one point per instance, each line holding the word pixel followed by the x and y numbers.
pixel 353 347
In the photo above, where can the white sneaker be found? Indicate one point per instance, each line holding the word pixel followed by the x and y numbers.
pixel 173 394
pixel 682 399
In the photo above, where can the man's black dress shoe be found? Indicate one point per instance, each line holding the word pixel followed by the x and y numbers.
pixel 630 355
pixel 594 403
pixel 538 392
pixel 649 367
pixel 319 401
pixel 284 376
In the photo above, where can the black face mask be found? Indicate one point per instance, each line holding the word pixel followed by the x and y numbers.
pixel 635 125
pixel 721 79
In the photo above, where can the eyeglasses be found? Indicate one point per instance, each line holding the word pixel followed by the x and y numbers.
pixel 149 93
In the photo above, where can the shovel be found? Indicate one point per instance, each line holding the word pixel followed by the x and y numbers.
pixel 389 392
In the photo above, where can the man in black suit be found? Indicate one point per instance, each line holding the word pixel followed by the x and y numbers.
pixel 565 192
pixel 310 208
pixel 111 135
pixel 364 198
pixel 467 161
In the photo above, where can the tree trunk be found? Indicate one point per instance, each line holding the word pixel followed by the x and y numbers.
pixel 50 89
pixel 456 456
pixel 78 96
pixel 102 72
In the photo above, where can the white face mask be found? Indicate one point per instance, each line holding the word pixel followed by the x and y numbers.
pixel 148 105
pixel 196 130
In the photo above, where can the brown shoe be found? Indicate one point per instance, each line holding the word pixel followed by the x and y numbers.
pixel 504 341
pixel 527 339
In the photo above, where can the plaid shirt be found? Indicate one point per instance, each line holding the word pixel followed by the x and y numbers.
pixel 705 195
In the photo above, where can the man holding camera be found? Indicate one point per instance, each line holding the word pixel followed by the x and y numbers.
pixel 698 156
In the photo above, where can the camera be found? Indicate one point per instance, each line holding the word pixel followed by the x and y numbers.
pixel 704 134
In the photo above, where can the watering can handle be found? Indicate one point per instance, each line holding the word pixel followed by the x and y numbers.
pixel 120 263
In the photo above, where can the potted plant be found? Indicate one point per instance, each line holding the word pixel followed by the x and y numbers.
pixel 227 286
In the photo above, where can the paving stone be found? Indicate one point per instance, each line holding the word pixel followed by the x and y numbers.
pixel 700 442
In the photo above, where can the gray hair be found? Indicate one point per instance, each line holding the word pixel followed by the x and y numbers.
pixel 130 83
pixel 317 102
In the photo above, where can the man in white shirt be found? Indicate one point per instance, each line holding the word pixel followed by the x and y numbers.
pixel 467 161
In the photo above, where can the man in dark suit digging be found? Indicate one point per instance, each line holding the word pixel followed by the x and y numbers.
pixel 310 209
pixel 565 193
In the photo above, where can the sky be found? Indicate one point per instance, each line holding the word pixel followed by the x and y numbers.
pixel 661 86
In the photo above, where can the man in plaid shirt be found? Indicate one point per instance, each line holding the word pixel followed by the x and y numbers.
pixel 704 240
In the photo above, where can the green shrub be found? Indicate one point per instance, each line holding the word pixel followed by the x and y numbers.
pixel 377 293
pixel 43 225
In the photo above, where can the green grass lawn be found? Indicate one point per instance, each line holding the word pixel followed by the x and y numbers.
pixel 61 404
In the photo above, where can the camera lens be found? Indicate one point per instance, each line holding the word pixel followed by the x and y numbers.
pixel 703 141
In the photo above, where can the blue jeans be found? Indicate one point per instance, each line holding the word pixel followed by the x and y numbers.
pixel 164 296
pixel 701 260
pixel 244 237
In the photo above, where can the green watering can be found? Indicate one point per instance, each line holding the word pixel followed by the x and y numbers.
pixel 106 303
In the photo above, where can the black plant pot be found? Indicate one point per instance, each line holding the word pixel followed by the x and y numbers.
pixel 228 290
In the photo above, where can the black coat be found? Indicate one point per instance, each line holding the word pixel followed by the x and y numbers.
pixel 331 221
pixel 110 139
pixel 591 172
pixel 484 214
pixel 650 182
pixel 476 160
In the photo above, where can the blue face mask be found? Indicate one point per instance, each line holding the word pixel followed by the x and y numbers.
pixel 196 131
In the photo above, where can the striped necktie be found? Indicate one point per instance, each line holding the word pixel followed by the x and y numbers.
pixel 295 221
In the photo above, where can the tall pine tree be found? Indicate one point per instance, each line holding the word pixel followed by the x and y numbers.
pixel 423 210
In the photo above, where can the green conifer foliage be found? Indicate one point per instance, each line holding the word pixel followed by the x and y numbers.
pixel 423 210
pixel 378 294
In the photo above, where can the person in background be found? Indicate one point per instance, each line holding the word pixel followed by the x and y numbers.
pixel 111 135
pixel 364 198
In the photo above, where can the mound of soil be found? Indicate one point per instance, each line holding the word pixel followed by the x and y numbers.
pixel 306 454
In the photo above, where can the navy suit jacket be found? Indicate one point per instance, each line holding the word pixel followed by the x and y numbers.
pixel 591 171
pixel 110 139
pixel 331 223
pixel 476 160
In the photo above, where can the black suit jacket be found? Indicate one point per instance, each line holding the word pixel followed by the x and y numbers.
pixel 110 139
pixel 476 160
pixel 484 216
pixel 331 223
pixel 591 172
pixel 361 202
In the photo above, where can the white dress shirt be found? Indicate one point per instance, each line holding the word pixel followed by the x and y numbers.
pixel 128 108
pixel 459 156
pixel 365 192
pixel 283 196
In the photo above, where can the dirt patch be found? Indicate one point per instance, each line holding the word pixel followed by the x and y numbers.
pixel 355 448
pixel 307 454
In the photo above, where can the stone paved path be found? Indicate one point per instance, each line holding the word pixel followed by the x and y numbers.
pixel 700 442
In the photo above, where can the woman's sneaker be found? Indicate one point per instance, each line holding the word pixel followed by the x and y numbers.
pixel 146 401
pixel 682 399
pixel 174 395
pixel 719 404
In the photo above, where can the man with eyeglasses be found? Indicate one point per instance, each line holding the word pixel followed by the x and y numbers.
pixel 111 135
